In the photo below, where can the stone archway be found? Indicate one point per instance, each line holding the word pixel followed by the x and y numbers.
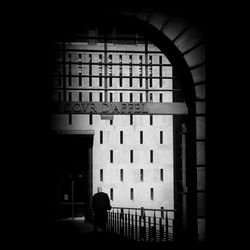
pixel 183 43
pixel 186 44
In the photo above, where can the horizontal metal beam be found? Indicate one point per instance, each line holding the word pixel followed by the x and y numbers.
pixel 111 51
pixel 110 89
pixel 112 76
pixel 167 108
pixel 112 64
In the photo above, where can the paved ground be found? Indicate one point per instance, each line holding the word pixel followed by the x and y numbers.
pixel 71 235
pixel 80 235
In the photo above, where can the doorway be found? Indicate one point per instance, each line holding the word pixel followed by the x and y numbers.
pixel 72 175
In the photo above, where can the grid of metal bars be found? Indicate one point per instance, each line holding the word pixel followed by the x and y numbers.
pixel 69 68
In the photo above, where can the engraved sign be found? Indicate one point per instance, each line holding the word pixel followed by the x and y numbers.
pixel 126 108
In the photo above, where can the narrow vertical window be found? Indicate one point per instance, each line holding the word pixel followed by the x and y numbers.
pixel 150 60
pixel 141 174
pixel 161 174
pixel 101 174
pixel 152 194
pixel 90 70
pixel 140 70
pixel 161 137
pixel 111 194
pixel 70 96
pixel 141 137
pixel 111 97
pixel 121 97
pixel 131 194
pixel 80 96
pixel 150 72
pixel 151 156
pixel 90 96
pixel 101 137
pixel 141 97
pixel 120 70
pixel 80 79
pixel 100 95
pixel 160 97
pixel 111 156
pixel 151 119
pixel 131 97
pixel 160 60
pixel 131 156
pixel 70 119
pixel 121 137
pixel 111 122
pixel 120 81
pixel 130 71
pixel 100 81
pixel 151 97
pixel 69 76
pixel 160 71
pixel 120 61
pixel 131 119
pixel 100 70
pixel 130 59
pixel 90 119
pixel 80 69
pixel 121 174
pixel 110 70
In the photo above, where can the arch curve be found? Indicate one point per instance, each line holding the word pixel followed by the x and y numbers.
pixel 183 44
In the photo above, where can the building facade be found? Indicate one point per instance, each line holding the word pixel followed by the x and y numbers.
pixel 132 154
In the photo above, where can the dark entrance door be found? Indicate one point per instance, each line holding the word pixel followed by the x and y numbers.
pixel 72 155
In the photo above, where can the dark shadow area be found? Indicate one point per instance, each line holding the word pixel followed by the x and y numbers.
pixel 30 166
pixel 70 175
pixel 77 234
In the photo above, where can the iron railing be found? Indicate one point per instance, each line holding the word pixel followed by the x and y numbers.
pixel 142 224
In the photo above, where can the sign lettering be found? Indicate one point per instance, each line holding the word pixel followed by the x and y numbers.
pixel 125 108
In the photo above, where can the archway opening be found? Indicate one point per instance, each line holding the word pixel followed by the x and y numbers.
pixel 182 79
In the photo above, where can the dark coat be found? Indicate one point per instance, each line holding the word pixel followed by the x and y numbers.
pixel 100 202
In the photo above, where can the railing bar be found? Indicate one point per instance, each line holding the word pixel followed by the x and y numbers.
pixel 149 228
pixel 115 224
pixel 136 229
pixel 133 232
pixel 129 231
pixel 160 222
pixel 126 224
pixel 154 227
pixel 166 226
pixel 149 209
pixel 122 222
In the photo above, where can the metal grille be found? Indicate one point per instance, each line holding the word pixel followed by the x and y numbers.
pixel 108 69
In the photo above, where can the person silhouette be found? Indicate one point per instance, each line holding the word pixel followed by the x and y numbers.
pixel 100 204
